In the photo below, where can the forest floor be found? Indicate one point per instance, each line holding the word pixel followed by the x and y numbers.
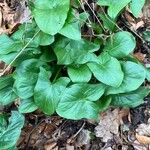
pixel 117 129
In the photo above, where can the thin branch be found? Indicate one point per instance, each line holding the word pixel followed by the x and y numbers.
pixel 95 15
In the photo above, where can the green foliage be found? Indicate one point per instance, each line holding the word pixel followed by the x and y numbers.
pixel 77 101
pixel 146 35
pixel 131 99
pixel 59 71
pixel 105 72
pixel 50 15
pixel 136 6
pixel 116 6
pixel 120 44
pixel 10 133
pixel 7 95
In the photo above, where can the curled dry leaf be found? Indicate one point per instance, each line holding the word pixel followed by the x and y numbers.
pixel 139 56
pixel 50 145
pixel 144 129
pixel 108 125
pixel 138 146
pixel 69 147
pixel 143 139
pixel 83 138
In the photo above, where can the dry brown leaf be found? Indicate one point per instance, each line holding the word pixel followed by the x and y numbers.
pixel 83 138
pixel 108 125
pixel 137 25
pixel 144 129
pixel 139 56
pixel 50 145
pixel 69 147
pixel 138 146
pixel 146 10
pixel 143 139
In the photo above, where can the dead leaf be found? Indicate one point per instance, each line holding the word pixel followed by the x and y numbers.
pixel 138 146
pixel 144 129
pixel 136 26
pixel 143 139
pixel 108 125
pixel 83 138
pixel 69 147
pixel 146 10
pixel 50 145
pixel 139 56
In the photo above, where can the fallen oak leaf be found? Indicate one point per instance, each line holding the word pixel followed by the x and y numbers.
pixel 143 139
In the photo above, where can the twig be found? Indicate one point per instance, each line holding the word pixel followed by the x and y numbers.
pixel 134 32
pixel 95 15
pixel 110 19
pixel 76 133
pixel 82 6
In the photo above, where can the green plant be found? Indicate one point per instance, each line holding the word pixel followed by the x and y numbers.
pixel 55 70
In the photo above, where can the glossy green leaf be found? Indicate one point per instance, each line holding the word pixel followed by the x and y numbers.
pixel 47 94
pixel 136 7
pixel 26 76
pixel 83 17
pixel 50 15
pixel 7 94
pixel 72 28
pixel 8 45
pixel 79 73
pixel 131 99
pixel 27 106
pixel 120 45
pixel 108 23
pixel 134 76
pixel 104 103
pixel 27 31
pixel 107 70
pixel 148 74
pixel 3 122
pixel 78 52
pixel 77 101
pixel 28 53
pixel 10 135
pixel 146 35
pixel 114 6
pixel 6 81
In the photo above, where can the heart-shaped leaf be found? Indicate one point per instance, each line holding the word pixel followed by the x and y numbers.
pixel 78 52
pixel 50 15
pixel 115 6
pixel 47 94
pixel 79 73
pixel 72 28
pixel 27 106
pixel 136 7
pixel 134 76
pixel 120 45
pixel 131 99
pixel 108 70
pixel 26 76
pixel 77 101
